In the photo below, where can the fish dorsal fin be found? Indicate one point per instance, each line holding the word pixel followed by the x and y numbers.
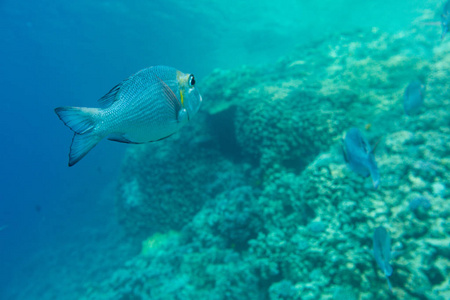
pixel 110 97
pixel 376 145
pixel 344 151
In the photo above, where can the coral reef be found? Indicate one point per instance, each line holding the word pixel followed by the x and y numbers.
pixel 163 185
pixel 253 200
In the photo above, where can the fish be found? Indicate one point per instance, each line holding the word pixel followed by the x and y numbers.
pixel 148 106
pixel 359 156
pixel 445 19
pixel 413 97
pixel 382 252
pixel 419 201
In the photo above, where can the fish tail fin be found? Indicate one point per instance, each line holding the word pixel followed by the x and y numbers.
pixel 389 284
pixel 375 174
pixel 82 121
pixel 79 119
pixel 81 145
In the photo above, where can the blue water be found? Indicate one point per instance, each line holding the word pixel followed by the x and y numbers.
pixel 57 53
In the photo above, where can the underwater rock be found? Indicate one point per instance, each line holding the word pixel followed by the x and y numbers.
pixel 278 215
pixel 317 227
pixel 224 89
pixel 438 189
pixel 231 222
pixel 284 124
pixel 163 185
pixel 344 294
pixel 419 202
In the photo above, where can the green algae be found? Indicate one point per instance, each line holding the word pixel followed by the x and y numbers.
pixel 156 241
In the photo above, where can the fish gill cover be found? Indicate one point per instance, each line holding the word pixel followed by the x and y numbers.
pixel 253 199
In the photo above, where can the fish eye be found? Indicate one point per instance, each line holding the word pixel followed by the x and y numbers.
pixel 191 80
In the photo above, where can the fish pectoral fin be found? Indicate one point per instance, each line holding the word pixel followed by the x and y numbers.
pixel 170 97
pixel 183 116
pixel 121 139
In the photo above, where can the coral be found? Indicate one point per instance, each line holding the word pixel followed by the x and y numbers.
pixel 224 88
pixel 163 185
pixel 262 201
pixel 289 112
pixel 283 290
pixel 156 241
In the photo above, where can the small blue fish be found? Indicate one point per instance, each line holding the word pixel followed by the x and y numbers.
pixel 419 201
pixel 445 19
pixel 413 97
pixel 359 155
pixel 149 106
pixel 382 252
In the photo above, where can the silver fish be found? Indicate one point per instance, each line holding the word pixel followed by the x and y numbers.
pixel 359 155
pixel 149 106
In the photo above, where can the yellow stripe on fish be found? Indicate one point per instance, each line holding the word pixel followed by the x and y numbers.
pixel 182 99
pixel 183 81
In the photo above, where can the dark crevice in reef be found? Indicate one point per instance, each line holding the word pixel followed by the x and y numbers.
pixel 223 127
pixel 297 164
pixel 265 283
pixel 435 276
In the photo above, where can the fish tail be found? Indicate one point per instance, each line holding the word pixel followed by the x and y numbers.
pixel 81 145
pixel 375 174
pixel 444 33
pixel 389 284
pixel 79 119
pixel 82 121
